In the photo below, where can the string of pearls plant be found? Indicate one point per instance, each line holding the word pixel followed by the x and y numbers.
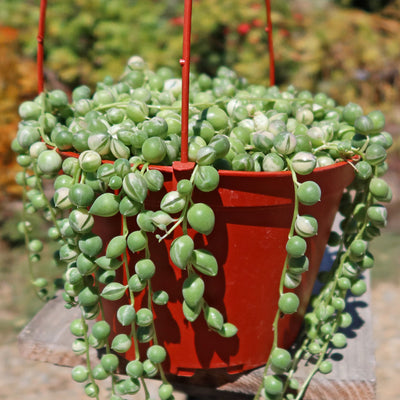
pixel 123 129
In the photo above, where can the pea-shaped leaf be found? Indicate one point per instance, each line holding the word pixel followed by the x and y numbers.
pixel 106 276
pixel 193 290
pixel 136 284
pixel 160 297
pixel 304 162
pixel 126 315
pixel 96 343
pixel 214 318
pixel 137 241
pixel 121 343
pixel 145 269
pixel 135 187
pixel 89 160
pixel 261 121
pixel 108 263
pixel 204 262
pixel 128 207
pixel 377 214
pixel 116 246
pixel 122 167
pixel 144 317
pixel 201 218
pixel 61 198
pixel 172 202
pixel 228 330
pixel 273 162
pixel 118 149
pixel 221 144
pixel 85 265
pixel 67 253
pixel 206 155
pixel 79 346
pixel 207 178
pixel 242 162
pixel 49 162
pixel 134 369
pixel 363 125
pixel 306 225
pixel 81 195
pixel 288 303
pixel 181 251
pixel 101 330
pixel 154 149
pixel 90 245
pixel 156 354
pixel 145 221
pixel 145 333
pixel 137 111
pixel 106 205
pixel 292 280
pixel 73 276
pixel 161 219
pixel 262 141
pixel 113 291
pixel 154 179
pixel 363 170
pixel 105 172
pixel 88 297
pixel 190 313
pixel 73 290
pixel 80 220
pixel 285 143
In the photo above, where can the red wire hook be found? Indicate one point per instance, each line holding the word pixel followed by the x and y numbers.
pixel 40 41
pixel 185 63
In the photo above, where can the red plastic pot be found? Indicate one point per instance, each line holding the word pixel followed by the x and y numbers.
pixel 253 216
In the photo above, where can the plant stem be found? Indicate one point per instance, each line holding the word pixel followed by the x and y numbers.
pixel 26 236
pixel 275 325
pixel 87 352
pixel 133 334
pixel 44 137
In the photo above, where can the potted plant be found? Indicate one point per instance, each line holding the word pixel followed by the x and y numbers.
pixel 197 246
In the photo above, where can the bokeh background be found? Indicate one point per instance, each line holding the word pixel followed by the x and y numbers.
pixel 349 49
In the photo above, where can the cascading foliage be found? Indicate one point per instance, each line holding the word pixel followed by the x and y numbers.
pixel 95 156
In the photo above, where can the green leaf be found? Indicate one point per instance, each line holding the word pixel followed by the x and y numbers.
pixel 135 187
pixel 193 290
pixel 114 291
pixel 116 246
pixel 228 330
pixel 181 251
pixel 109 263
pixel 214 318
pixel 121 343
pixel 126 315
pixel 106 205
pixel 190 313
pixel 204 262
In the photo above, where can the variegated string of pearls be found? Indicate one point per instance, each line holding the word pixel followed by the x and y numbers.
pixel 116 132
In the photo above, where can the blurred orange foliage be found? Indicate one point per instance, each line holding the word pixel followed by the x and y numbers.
pixel 17 83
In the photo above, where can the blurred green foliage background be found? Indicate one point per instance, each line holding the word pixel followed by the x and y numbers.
pixel 349 49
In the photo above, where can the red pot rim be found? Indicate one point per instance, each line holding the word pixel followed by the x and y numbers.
pixel 228 173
